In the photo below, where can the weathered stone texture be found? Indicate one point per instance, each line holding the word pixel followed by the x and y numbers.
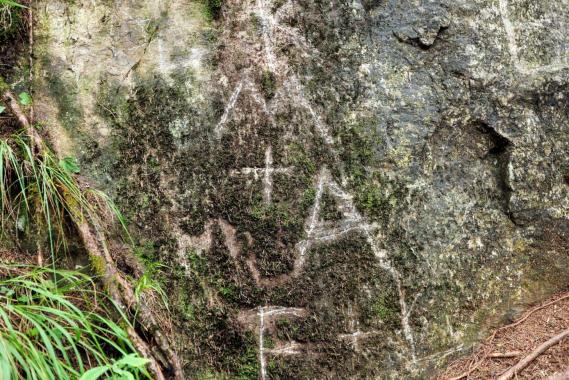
pixel 380 177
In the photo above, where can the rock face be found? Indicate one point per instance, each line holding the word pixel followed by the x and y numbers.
pixel 336 189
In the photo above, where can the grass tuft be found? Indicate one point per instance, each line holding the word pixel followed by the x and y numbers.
pixel 212 9
pixel 40 193
pixel 54 325
pixel 9 17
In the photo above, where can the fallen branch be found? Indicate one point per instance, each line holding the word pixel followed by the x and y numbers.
pixel 500 355
pixel 474 365
pixel 119 288
pixel 510 373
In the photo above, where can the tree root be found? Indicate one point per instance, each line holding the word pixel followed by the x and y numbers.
pixel 12 103
pixel 486 354
pixel 513 371
pixel 118 287
pixel 122 293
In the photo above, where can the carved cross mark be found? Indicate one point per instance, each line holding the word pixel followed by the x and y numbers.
pixel 356 336
pixel 265 173
pixel 263 320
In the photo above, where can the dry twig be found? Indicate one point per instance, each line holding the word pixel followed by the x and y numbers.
pixel 512 371
pixel 475 364
pixel 501 355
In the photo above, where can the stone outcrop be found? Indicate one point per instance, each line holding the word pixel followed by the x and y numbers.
pixel 336 189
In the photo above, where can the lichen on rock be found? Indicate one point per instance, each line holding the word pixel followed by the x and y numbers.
pixel 391 170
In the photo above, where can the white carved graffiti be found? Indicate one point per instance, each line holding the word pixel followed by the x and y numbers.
pixel 317 231
pixel 262 319
pixel 355 336
pixel 265 173
pixel 228 109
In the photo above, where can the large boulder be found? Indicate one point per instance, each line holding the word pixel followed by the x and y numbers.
pixel 335 189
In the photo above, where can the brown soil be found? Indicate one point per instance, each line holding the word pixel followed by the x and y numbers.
pixel 15 256
pixel 535 327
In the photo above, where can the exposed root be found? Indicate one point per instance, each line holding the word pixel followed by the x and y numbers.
pixel 513 371
pixel 122 293
pixel 485 351
pixel 31 53
pixel 12 103
pixel 144 350
pixel 119 288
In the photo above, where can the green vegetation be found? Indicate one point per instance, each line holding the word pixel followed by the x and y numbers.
pixel 268 84
pixel 382 310
pixel 25 98
pixel 370 198
pixel 212 9
pixel 278 213
pixel 11 3
pixel 308 198
pixel 148 281
pixel 248 365
pixel 55 326
pixel 329 208
pixel 52 327
pixel 300 159
pixel 255 21
pixel 9 18
pixel 42 201
pixel 39 193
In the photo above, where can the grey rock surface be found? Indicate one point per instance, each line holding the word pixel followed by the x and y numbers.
pixel 337 189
